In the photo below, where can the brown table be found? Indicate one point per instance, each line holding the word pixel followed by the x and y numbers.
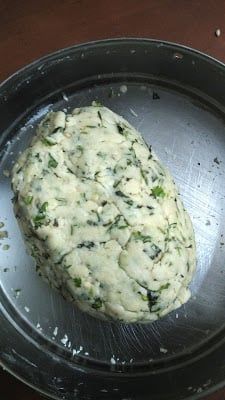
pixel 30 29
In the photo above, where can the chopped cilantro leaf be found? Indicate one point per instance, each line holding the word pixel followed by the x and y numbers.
pixel 143 238
pixel 120 129
pixel 100 116
pixel 39 218
pixel 97 303
pixel 158 191
pixel 144 175
pixel 43 207
pixel 116 183
pixel 86 244
pixel 152 298
pixel 47 141
pixel 102 155
pixel 121 194
pixel 129 202
pixel 28 200
pixel 163 287
pixel 57 129
pixel 80 148
pixel 77 282
pixel 52 163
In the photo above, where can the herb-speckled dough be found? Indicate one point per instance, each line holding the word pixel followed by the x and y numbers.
pixel 103 218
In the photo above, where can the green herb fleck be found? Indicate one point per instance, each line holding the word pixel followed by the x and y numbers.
pixel 116 183
pixel 144 297
pixel 178 248
pixel 37 155
pixel 80 148
pixel 28 200
pixel 154 294
pixel 100 116
pixel 120 129
pixel 52 163
pixel 83 195
pixel 123 226
pixel 77 282
pixel 97 215
pixel 62 200
pixel 67 266
pixel 158 191
pixel 57 129
pixel 144 175
pixel 38 219
pixel 70 170
pixel 163 287
pixel 55 222
pixel 43 207
pixel 143 238
pixel 96 174
pixel 116 224
pixel 97 303
pixel 129 202
pixel 47 141
pixel 173 225
pixel 152 298
pixel 86 244
pixel 121 194
pixel 154 251
pixel 91 223
pixel 102 155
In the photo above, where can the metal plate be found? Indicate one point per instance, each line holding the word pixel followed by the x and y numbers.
pixel 175 96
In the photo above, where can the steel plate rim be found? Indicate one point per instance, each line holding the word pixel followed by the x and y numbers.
pixel 195 396
pixel 93 43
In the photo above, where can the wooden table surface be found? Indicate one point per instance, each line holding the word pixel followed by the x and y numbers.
pixel 30 29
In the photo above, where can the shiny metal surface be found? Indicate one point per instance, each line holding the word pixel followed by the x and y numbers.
pixel 45 340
